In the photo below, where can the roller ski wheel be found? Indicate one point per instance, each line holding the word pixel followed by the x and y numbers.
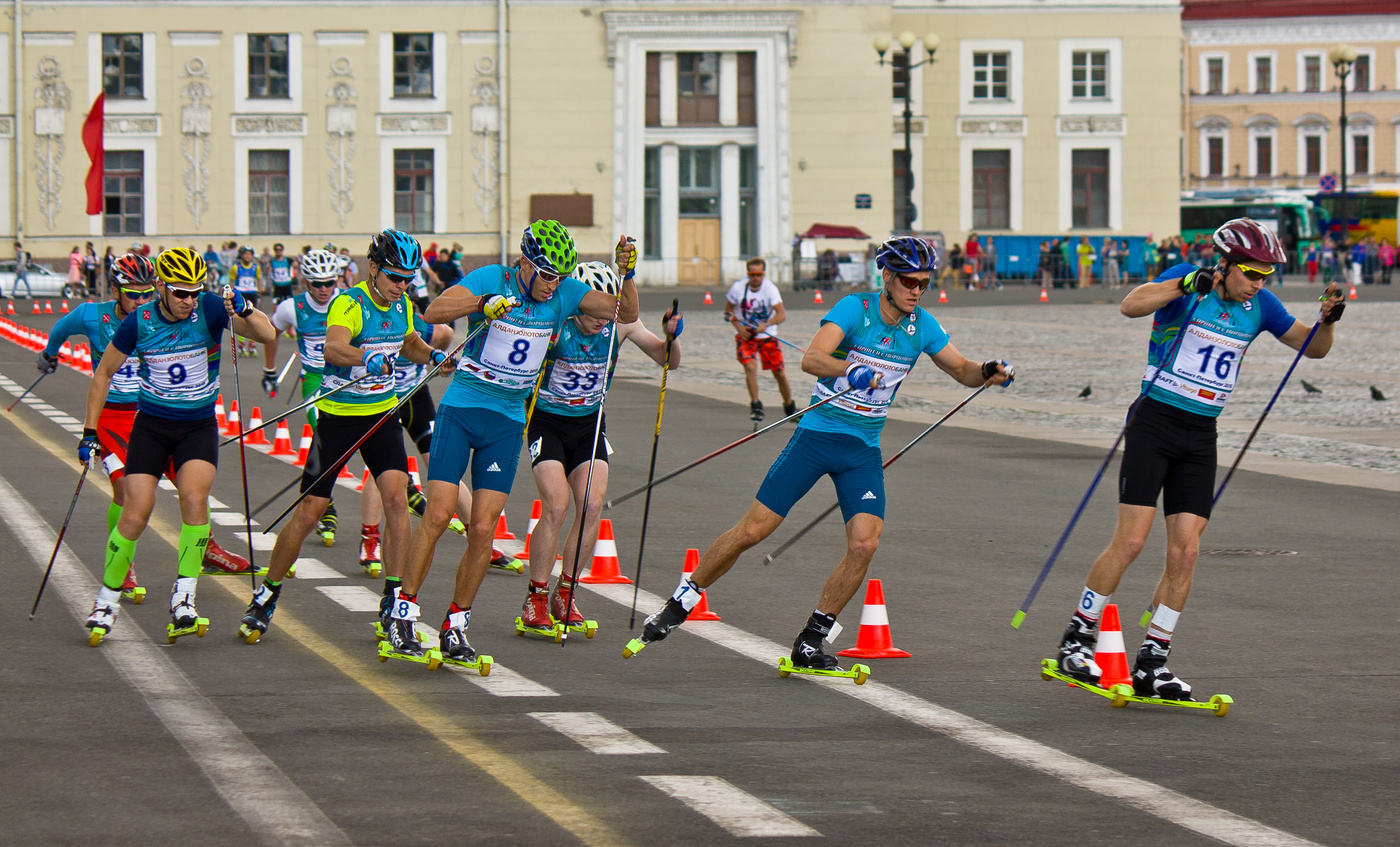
pixel 456 525
pixel 101 621
pixel 588 628
pixel 174 633
pixel 431 658
pixel 326 526
pixel 503 561
pixel 633 648
pixel 95 636
pixel 249 634
pixel 373 570
pixel 327 534
pixel 135 594
pixel 481 664
pixel 1121 695
pixel 554 631
pixel 857 674
pixel 657 626
pixel 756 411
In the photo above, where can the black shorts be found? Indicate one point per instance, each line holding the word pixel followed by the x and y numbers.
pixel 1172 452
pixel 565 439
pixel 417 416
pixel 161 445
pixel 281 292
pixel 335 434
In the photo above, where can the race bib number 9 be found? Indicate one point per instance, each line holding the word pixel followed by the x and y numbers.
pixel 174 376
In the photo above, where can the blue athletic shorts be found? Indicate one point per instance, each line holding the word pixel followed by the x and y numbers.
pixel 852 464
pixel 488 440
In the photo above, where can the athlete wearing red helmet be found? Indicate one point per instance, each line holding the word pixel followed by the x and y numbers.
pixel 1203 322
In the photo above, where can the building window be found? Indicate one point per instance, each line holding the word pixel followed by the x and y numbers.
pixel 651 226
pixel 1215 75
pixel 1215 156
pixel 123 174
pixel 1263 155
pixel 699 181
pixel 1263 74
pixel 1312 154
pixel 653 89
pixel 899 75
pixel 991 189
pixel 991 74
pixel 748 89
pixel 1089 188
pixel 1312 73
pixel 1361 73
pixel 269 207
pixel 1361 154
pixel 697 89
pixel 413 64
pixel 901 189
pixel 413 190
pixel 267 67
pixel 748 201
pixel 1089 74
pixel 121 65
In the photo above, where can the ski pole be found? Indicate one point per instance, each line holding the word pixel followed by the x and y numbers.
pixel 243 463
pixel 754 326
pixel 391 414
pixel 31 387
pixel 58 542
pixel 320 395
pixel 651 471
pixel 283 375
pixel 582 508
pixel 1020 616
pixel 769 559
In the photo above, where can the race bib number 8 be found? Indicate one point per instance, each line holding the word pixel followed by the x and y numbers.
pixel 512 354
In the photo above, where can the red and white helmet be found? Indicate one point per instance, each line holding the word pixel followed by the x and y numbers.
pixel 1245 239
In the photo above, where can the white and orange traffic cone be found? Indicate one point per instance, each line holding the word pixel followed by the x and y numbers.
pixel 364 480
pixel 874 641
pixel 345 472
pixel 220 420
pixel 37 310
pixel 11 309
pixel 1044 295
pixel 535 513
pixel 1352 295
pixel 1109 654
pixel 702 610
pixel 943 295
pixel 413 476
pixel 817 301
pixel 709 301
pixel 63 310
pixel 48 307
pixel 604 569
pixel 503 532
pixel 282 441
pixel 303 448
pixel 257 436
pixel 231 426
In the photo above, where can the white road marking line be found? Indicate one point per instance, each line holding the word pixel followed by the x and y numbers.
pixel 216 503
pixel 261 541
pixel 355 598
pixel 503 682
pixel 273 807
pixel 165 484
pixel 738 812
pixel 229 519
pixel 1164 803
pixel 596 733
pixel 42 407
pixel 316 569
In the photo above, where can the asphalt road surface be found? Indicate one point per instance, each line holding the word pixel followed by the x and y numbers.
pixel 306 739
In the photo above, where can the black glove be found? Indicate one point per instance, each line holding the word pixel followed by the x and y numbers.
pixel 89 451
pixel 1336 313
pixel 46 364
pixel 269 382
pixel 1197 282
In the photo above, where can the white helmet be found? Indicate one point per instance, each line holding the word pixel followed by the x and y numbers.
pixel 320 265
pixel 599 276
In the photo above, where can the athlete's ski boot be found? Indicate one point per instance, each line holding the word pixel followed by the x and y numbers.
pixel 325 527
pixel 130 590
pixel 1151 678
pixel 399 637
pixel 1077 650
pixel 103 617
pixel 756 411
pixel 453 644
pixel 534 614
pixel 563 610
pixel 369 552
pixel 789 408
pixel 657 626
pixel 184 619
pixel 417 503
pixel 259 615
pixel 809 659
pixel 503 561
pixel 218 561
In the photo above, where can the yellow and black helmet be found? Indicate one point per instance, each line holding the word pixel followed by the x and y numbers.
pixel 181 267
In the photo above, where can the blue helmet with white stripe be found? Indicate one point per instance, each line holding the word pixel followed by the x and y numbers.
pixel 907 254
pixel 394 249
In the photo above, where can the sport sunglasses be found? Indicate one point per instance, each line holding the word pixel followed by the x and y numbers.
pixel 184 294
pixel 141 294
pixel 913 282
pixel 1254 274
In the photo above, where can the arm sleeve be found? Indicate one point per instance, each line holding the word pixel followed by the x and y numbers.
pixel 125 338
pixel 845 314
pixel 571 292
pixel 733 296
pixel 1173 312
pixel 774 295
pixel 344 311
pixel 216 317
pixel 1276 320
pixel 69 325
pixel 483 280
pixel 284 317
pixel 935 336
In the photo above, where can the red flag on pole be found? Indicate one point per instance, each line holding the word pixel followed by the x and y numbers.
pixel 92 140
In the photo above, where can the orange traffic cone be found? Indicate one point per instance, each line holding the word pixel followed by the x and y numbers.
pixel 48 307
pixel 817 301
pixel 364 480
pixel 942 295
pixel 530 528
pixel 604 569
pixel 64 309
pixel 702 610
pixel 709 301
pixel 304 448
pixel 282 441
pixel 11 309
pixel 873 641
pixel 1352 295
pixel 231 422
pixel 257 436
pixel 219 419
pixel 1109 654
pixel 345 472
pixel 413 472
pixel 503 532
pixel 37 310
pixel 1044 297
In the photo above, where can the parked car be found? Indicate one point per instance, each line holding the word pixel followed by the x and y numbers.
pixel 43 281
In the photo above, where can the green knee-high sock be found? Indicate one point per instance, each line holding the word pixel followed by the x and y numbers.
pixel 193 540
pixel 114 514
pixel 120 552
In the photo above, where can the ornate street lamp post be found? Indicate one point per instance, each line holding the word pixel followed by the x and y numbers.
pixel 1343 56
pixel 907 41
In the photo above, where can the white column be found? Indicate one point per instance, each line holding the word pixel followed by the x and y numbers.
pixel 731 263
pixel 668 89
pixel 670 211
pixel 729 89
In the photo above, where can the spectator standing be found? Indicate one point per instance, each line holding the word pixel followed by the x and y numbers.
pixel 1310 260
pixel 22 259
pixel 1086 253
pixel 989 264
pixel 108 281
pixel 1386 254
pixel 213 260
pixel 1149 257
pixel 1111 254
pixel 1070 268
pixel 972 258
pixel 1045 268
pixel 227 253
pixel 1358 259
pixel 1328 258
pixel 1373 261
pixel 447 270
pixel 75 268
pixel 954 265
pixel 90 266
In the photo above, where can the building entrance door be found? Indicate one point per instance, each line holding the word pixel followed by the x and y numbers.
pixel 699 250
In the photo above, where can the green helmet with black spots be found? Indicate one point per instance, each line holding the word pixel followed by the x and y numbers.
pixel 549 247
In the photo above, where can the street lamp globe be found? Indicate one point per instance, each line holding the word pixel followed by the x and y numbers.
pixel 882 43
pixel 1342 54
pixel 931 42
pixel 907 39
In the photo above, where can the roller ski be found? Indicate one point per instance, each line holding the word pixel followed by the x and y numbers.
pixel 808 658
pixel 1122 694
pixel 370 560
pixel 220 562
pixel 259 615
pixel 103 617
pixel 503 561
pixel 184 619
pixel 325 527
pixel 564 613
pixel 130 590
pixel 454 647
pixel 400 638
pixel 535 618
pixel 659 625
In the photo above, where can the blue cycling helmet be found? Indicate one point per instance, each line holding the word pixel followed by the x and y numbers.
pixel 394 249
pixel 907 254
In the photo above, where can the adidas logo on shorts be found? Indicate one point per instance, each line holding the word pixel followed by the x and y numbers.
pixel 493 467
pixel 869 495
